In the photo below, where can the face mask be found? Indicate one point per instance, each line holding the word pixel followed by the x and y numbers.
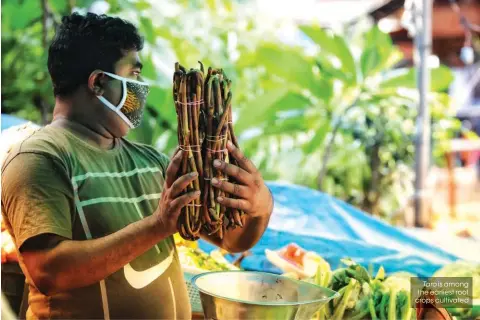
pixel 132 104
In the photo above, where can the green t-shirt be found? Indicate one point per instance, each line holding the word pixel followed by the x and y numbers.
pixel 55 182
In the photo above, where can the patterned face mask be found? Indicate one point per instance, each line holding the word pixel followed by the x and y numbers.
pixel 132 104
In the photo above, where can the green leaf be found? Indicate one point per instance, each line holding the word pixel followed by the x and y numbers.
pixel 23 13
pixel 142 5
pixel 149 71
pixel 322 89
pixel 346 57
pixel 369 61
pixel 317 140
pixel 148 29
pixel 286 63
pixel 288 126
pixel 379 53
pixel 162 101
pixel 440 79
pixel 327 69
pixel 84 3
pixel 267 105
pixel 376 37
pixel 172 142
pixel 331 44
pixel 295 68
pixel 59 6
pixel 320 37
pixel 158 95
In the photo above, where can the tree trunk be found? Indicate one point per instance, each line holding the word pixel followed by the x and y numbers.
pixel 372 191
pixel 42 106
pixel 331 141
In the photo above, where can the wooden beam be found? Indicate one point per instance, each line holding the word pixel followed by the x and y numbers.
pixel 446 22
pixel 447 50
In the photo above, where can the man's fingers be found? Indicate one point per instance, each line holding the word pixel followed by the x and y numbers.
pixel 231 188
pixel 233 171
pixel 172 169
pixel 181 183
pixel 180 202
pixel 243 161
pixel 235 203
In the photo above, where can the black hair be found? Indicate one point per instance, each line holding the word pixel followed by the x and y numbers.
pixel 84 43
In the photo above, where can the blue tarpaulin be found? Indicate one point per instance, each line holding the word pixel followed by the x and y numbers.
pixel 10 121
pixel 336 230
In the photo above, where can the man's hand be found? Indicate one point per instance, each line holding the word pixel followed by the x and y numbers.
pixel 253 195
pixel 172 200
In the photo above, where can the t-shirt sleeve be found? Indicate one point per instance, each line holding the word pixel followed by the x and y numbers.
pixel 37 197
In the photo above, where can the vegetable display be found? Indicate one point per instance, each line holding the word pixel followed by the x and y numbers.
pixel 364 297
pixel 464 269
pixel 204 113
pixel 197 259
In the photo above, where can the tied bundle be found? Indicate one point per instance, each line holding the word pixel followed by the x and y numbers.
pixel 204 113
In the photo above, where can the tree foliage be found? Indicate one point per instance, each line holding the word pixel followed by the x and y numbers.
pixel 345 121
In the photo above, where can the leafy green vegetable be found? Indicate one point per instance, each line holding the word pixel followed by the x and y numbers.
pixel 197 258
pixel 363 297
pixel 464 269
pixel 342 305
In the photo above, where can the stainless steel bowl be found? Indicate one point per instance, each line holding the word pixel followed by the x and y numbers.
pixel 258 295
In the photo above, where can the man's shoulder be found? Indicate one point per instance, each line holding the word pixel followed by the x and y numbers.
pixel 40 141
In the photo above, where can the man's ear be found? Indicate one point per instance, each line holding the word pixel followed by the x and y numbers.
pixel 97 82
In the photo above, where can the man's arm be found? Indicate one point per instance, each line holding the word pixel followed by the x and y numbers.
pixel 254 198
pixel 57 264
pixel 242 239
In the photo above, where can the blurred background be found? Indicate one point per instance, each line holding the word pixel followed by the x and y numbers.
pixel 325 92
pixel 373 103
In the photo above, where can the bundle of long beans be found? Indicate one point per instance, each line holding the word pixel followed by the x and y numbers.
pixel 204 114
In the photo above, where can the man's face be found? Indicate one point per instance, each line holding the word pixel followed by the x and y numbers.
pixel 127 67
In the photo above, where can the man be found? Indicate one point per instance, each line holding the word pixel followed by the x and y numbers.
pixel 93 214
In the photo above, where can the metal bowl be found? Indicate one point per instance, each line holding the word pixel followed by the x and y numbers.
pixel 258 295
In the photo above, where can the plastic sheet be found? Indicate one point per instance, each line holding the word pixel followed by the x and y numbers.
pixel 336 230
pixel 10 121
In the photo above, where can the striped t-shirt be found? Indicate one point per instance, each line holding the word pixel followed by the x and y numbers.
pixel 55 182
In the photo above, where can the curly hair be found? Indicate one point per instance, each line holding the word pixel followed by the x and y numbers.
pixel 85 43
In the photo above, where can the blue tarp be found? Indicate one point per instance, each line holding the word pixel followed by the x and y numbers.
pixel 10 121
pixel 336 230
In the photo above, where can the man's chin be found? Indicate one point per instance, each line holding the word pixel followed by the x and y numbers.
pixel 118 128
pixel 122 131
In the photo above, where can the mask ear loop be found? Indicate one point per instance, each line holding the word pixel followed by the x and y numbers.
pixel 116 76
